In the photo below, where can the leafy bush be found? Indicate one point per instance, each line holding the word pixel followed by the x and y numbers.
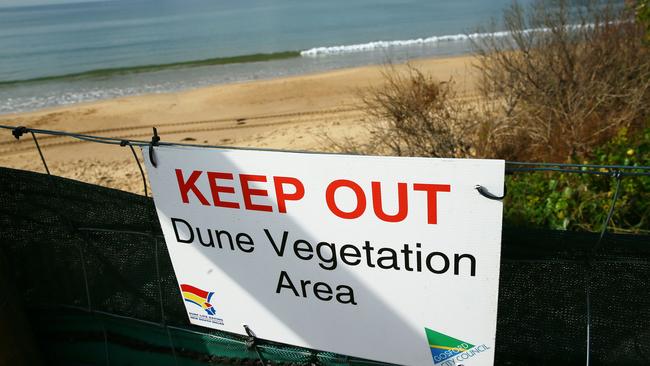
pixel 571 74
pixel 412 114
pixel 581 201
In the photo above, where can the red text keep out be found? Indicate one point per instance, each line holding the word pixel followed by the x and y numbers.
pixel 289 190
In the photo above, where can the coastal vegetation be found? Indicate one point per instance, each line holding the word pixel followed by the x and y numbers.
pixel 570 83
pixel 582 201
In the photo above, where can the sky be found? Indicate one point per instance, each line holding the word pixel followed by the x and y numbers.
pixel 14 3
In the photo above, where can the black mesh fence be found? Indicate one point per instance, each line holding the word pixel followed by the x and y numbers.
pixel 90 268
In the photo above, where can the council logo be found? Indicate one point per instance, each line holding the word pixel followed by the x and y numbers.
pixel 198 297
pixel 447 350
pixel 443 346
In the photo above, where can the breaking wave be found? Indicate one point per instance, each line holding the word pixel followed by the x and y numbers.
pixel 382 45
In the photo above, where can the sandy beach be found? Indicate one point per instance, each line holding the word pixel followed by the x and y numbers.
pixel 287 113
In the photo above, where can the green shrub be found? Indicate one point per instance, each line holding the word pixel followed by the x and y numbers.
pixel 564 201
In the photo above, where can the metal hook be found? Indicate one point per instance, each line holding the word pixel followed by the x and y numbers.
pixel 251 342
pixel 485 193
pixel 154 142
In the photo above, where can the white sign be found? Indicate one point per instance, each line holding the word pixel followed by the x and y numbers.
pixel 385 258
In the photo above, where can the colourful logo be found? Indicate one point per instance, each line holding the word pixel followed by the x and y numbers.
pixel 443 346
pixel 198 297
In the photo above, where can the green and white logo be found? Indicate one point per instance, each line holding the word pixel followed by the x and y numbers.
pixel 443 346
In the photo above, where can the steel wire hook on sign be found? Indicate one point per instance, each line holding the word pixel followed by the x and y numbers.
pixel 485 193
pixel 251 342
pixel 155 139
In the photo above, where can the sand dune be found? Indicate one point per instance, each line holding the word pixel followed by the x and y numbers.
pixel 289 113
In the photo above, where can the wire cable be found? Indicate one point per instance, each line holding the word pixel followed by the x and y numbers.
pixel 511 166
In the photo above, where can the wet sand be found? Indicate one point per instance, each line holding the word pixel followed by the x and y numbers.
pixel 290 113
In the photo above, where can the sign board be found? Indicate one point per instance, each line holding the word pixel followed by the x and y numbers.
pixel 384 258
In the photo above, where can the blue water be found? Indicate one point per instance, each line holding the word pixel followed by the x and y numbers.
pixel 50 40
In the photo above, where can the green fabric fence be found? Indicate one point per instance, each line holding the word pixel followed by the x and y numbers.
pixel 90 271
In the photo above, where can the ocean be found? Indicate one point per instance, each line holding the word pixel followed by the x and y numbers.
pixel 59 54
